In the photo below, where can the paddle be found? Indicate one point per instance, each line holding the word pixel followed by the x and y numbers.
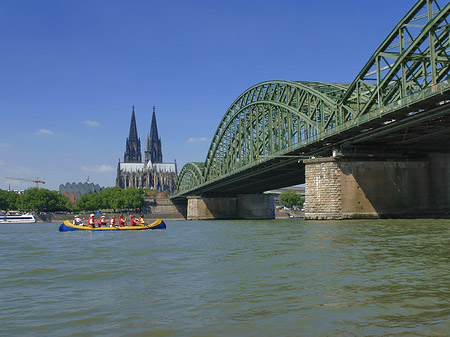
pixel 145 224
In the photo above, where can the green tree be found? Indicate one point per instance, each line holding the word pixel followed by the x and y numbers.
pixel 134 198
pixel 43 200
pixel 151 193
pixel 112 198
pixel 87 202
pixel 3 200
pixel 14 200
pixel 291 198
pixel 34 199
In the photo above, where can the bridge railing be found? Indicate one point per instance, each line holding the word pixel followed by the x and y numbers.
pixel 422 95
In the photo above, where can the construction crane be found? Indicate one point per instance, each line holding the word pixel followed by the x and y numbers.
pixel 37 181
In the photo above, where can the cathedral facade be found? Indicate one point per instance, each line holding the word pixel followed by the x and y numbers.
pixel 152 173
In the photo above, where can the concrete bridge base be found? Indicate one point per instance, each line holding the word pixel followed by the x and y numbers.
pixel 241 206
pixel 345 188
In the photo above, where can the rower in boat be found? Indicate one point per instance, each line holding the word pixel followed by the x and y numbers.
pixel 102 221
pixel 112 221
pixel 78 221
pixel 69 226
pixel 133 221
pixel 91 221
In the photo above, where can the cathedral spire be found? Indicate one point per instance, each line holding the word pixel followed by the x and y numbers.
pixel 153 150
pixel 133 129
pixel 154 127
pixel 133 144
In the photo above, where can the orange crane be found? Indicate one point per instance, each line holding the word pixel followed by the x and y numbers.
pixel 37 181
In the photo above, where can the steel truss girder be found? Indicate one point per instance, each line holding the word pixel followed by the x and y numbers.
pixel 413 57
pixel 190 176
pixel 270 117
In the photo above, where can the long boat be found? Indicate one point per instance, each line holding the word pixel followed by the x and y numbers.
pixel 68 226
pixel 16 217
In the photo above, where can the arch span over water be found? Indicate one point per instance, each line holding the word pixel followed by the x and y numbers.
pixel 278 118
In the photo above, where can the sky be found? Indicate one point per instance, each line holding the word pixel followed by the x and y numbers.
pixel 70 72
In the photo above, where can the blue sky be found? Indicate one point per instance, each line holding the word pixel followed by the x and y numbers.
pixel 71 70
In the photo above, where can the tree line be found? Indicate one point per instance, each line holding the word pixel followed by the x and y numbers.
pixel 112 198
pixel 291 198
pixel 43 200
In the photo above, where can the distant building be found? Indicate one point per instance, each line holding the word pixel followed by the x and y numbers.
pixel 300 189
pixel 73 191
pixel 152 173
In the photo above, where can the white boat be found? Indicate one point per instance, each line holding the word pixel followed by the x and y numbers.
pixel 16 217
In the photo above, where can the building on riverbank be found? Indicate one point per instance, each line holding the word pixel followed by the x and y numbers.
pixel 299 189
pixel 73 191
pixel 152 173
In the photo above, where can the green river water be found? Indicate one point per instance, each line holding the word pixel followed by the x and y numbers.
pixel 228 278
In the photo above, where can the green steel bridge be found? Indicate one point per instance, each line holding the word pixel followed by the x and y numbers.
pixel 397 106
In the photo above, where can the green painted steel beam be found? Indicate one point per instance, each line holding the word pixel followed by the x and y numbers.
pixel 271 122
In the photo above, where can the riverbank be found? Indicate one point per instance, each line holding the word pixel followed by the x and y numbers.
pixel 60 217
pixel 284 214
pixel 154 208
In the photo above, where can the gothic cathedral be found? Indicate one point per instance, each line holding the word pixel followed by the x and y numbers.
pixel 152 173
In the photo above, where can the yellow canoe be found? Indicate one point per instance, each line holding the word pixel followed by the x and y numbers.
pixel 67 226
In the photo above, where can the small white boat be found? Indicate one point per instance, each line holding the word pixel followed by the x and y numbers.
pixel 16 217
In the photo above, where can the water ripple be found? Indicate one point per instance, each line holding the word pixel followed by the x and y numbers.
pixel 229 278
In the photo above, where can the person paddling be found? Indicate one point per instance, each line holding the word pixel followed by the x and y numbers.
pixel 133 221
pixel 122 221
pixel 91 221
pixel 102 221
pixel 112 221
pixel 78 221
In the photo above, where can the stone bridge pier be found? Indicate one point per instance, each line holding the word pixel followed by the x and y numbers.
pixel 241 206
pixel 346 188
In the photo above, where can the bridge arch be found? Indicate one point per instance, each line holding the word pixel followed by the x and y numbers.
pixel 413 58
pixel 274 118
pixel 269 118
pixel 191 175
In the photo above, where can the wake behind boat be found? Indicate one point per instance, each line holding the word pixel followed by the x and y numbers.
pixel 16 217
pixel 67 226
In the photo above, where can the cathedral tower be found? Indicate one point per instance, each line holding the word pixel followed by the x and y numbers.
pixel 153 150
pixel 133 146
pixel 153 173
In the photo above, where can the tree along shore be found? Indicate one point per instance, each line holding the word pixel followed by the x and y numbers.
pixel 40 200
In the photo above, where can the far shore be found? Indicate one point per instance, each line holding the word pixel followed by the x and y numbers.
pixel 61 217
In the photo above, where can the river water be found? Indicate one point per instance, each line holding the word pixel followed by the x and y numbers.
pixel 228 278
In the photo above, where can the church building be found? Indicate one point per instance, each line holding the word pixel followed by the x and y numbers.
pixel 152 173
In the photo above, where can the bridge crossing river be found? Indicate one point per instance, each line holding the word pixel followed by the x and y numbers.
pixel 396 110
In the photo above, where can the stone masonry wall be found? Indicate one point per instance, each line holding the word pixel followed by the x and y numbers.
pixel 344 188
pixel 322 189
